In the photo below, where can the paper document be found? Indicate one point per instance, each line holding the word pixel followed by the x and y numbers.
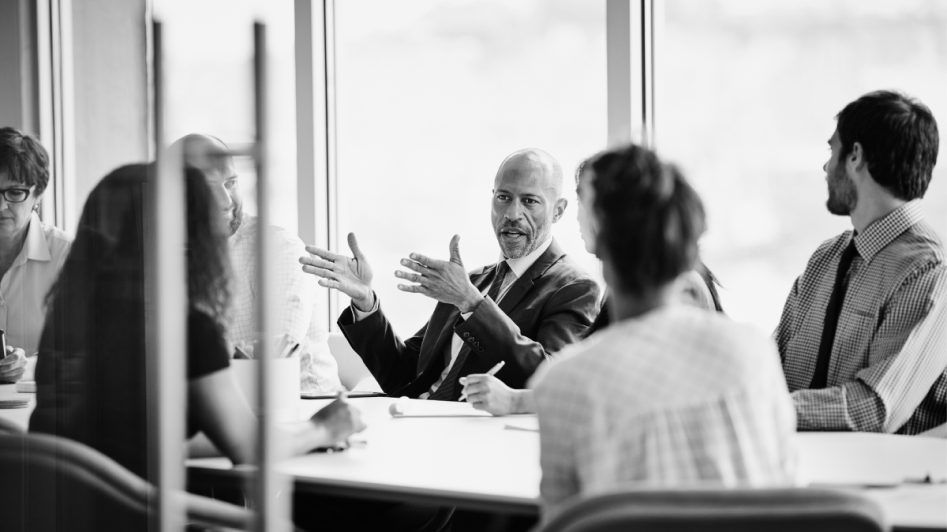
pixel 527 423
pixel 25 387
pixel 425 408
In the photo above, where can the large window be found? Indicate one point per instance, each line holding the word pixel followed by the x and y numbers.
pixel 746 101
pixel 432 96
pixel 209 81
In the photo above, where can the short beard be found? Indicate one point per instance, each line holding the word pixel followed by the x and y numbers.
pixel 236 218
pixel 533 241
pixel 842 194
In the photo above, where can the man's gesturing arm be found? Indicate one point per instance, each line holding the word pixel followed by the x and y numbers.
pixel 445 281
pixel 350 275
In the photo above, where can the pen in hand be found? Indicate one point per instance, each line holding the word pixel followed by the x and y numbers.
pixel 493 371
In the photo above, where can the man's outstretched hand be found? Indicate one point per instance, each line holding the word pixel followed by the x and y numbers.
pixel 445 281
pixel 350 275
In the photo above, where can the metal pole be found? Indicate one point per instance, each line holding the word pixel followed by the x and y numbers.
pixel 166 315
pixel 312 154
pixel 272 508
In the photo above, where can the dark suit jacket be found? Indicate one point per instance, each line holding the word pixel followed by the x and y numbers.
pixel 547 308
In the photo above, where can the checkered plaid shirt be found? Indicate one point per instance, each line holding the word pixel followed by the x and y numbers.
pixel 887 370
pixel 318 371
pixel 677 397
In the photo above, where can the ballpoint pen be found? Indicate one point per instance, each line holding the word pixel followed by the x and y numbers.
pixel 493 371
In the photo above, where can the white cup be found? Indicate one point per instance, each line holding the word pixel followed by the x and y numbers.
pixel 283 385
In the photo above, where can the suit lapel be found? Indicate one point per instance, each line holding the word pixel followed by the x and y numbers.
pixel 444 318
pixel 522 285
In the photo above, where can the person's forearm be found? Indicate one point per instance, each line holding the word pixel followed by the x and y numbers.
pixel 852 406
pixel 524 402
pixel 939 431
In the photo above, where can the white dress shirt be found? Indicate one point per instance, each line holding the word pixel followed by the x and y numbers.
pixel 297 317
pixel 24 288
pixel 517 268
pixel 676 397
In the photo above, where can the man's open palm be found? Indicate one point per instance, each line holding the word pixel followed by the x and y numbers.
pixel 350 275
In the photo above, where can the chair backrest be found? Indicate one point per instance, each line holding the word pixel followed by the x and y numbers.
pixel 743 510
pixel 351 368
pixel 9 427
pixel 52 483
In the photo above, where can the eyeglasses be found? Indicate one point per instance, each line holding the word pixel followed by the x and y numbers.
pixel 16 195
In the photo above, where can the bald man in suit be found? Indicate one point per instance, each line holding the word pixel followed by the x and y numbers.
pixel 530 304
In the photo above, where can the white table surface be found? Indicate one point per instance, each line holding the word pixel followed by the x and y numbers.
pixel 494 466
pixel 20 416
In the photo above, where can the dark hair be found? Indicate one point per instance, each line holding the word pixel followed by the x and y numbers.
pixel 649 219
pixel 109 248
pixel 899 139
pixel 24 158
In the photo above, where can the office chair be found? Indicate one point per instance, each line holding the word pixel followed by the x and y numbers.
pixel 352 370
pixel 737 510
pixel 51 483
pixel 9 427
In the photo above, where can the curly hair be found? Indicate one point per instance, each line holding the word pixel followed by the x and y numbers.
pixel 24 158
pixel 649 219
pixel 108 254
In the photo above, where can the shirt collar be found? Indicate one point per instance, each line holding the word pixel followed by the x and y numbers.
pixel 880 233
pixel 35 246
pixel 247 223
pixel 520 265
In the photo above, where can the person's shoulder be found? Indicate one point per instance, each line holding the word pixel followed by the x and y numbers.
pixel 568 268
pixel 831 247
pixel 285 238
pixel 282 237
pixel 57 240
pixel 919 244
pixel 201 320
pixel 565 367
pixel 741 345
pixel 822 259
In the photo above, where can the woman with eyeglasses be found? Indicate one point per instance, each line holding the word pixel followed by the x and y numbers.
pixel 31 252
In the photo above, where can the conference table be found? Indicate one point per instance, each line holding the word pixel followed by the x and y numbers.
pixel 450 454
pixel 19 416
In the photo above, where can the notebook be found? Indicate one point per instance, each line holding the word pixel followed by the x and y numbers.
pixel 25 387
pixel 14 403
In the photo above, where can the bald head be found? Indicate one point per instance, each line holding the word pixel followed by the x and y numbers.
pixel 536 162
pixel 204 152
pixel 211 156
pixel 527 200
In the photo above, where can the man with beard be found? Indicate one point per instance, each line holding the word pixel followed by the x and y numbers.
pixel 863 335
pixel 530 304
pixel 296 318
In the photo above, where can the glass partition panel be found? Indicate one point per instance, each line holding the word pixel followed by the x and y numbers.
pixel 209 61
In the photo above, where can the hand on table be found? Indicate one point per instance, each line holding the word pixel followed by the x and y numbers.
pixel 350 275
pixel 337 421
pixel 445 281
pixel 13 365
pixel 486 392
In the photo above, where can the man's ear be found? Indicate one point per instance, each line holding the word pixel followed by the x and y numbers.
pixel 560 208
pixel 856 157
